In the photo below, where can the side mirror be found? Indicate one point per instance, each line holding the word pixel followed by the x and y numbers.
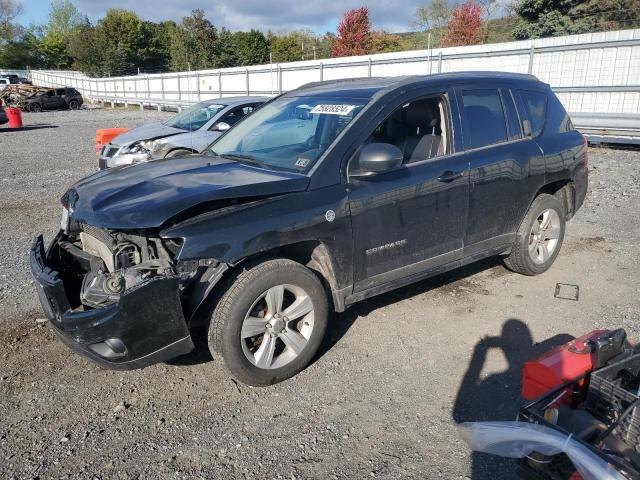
pixel 526 126
pixel 221 127
pixel 379 157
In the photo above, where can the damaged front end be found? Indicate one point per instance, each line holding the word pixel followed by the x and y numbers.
pixel 114 296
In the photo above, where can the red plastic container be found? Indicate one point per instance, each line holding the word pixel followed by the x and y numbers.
pixel 562 364
pixel 15 117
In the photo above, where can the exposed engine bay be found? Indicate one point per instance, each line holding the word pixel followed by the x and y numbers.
pixel 101 265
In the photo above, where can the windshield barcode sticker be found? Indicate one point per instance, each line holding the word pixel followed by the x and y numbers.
pixel 333 109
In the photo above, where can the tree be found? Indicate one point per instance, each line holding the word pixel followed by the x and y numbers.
pixel 252 48
pixel 433 19
pixel 544 18
pixel 121 37
pixel 22 51
pixel 64 18
pixel 285 48
pixel 465 26
pixel 226 51
pixel 85 47
pixel 194 43
pixel 383 42
pixel 155 55
pixel 9 10
pixel 354 34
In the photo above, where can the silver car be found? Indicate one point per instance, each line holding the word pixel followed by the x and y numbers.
pixel 190 131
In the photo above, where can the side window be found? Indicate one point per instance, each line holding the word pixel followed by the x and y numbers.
pixel 536 105
pixel 51 93
pixel 234 115
pixel 515 129
pixel 483 117
pixel 420 129
pixel 61 91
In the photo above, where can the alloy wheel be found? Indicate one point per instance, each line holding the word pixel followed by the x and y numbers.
pixel 277 327
pixel 544 235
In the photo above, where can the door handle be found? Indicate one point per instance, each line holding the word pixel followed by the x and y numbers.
pixel 450 176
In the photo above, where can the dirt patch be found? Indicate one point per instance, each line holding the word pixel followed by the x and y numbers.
pixel 581 244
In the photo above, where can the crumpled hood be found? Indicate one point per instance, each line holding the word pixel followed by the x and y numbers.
pixel 146 195
pixel 147 131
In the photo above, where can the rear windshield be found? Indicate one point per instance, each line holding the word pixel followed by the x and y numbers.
pixel 289 133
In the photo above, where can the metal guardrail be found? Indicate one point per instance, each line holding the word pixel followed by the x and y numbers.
pixel 609 128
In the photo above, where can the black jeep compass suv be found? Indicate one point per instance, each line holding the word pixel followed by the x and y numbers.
pixel 327 195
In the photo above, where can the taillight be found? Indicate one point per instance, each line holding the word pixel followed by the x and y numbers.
pixel 585 157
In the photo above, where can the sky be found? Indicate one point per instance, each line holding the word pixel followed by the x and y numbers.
pixel 278 15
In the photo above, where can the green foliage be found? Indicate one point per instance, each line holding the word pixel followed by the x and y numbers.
pixel 433 18
pixel 64 18
pixel 285 48
pixel 544 18
pixel 55 51
pixel 194 44
pixel 251 47
pixel 86 50
pixel 384 42
pixel 21 51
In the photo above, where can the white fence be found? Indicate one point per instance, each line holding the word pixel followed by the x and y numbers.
pixel 591 73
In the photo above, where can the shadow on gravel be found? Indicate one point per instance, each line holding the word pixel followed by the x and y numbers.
pixel 199 355
pixel 340 323
pixel 497 396
pixel 28 127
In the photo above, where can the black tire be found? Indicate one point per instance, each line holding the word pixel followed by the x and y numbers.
pixel 244 289
pixel 35 107
pixel 180 152
pixel 74 105
pixel 520 259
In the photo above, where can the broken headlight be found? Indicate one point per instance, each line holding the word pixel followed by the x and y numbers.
pixel 141 146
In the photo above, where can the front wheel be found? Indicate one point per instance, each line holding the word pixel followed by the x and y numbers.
pixel 270 322
pixel 35 107
pixel 539 237
pixel 74 105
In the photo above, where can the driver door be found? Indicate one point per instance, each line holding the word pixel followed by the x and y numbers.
pixel 410 220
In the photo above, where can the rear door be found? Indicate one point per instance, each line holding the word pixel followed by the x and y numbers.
pixel 504 166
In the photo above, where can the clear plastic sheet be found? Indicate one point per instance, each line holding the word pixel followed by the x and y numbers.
pixel 519 439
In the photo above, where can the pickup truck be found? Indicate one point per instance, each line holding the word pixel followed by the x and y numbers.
pixel 327 195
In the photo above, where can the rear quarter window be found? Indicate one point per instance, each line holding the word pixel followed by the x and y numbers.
pixel 535 104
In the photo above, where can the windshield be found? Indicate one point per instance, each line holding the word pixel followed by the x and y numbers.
pixel 195 117
pixel 290 133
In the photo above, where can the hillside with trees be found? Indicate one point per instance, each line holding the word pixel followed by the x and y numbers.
pixel 122 43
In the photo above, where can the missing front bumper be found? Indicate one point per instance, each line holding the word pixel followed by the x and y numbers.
pixel 144 327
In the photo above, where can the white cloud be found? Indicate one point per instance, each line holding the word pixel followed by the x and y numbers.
pixel 276 15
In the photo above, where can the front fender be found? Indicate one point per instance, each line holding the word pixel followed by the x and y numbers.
pixel 233 233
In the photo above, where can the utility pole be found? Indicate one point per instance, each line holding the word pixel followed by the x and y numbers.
pixel 314 53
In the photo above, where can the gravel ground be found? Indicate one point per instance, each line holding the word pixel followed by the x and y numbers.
pixel 395 374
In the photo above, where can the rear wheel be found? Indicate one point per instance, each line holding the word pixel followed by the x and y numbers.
pixel 539 237
pixel 178 153
pixel 74 105
pixel 269 323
